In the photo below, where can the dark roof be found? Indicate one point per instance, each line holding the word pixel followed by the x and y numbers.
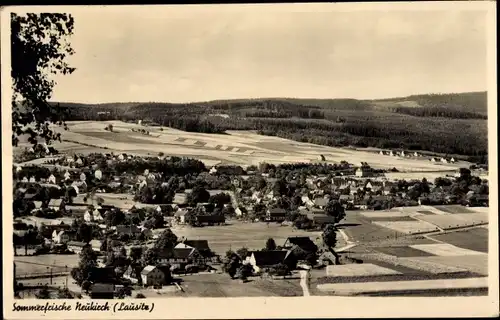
pixel 276 212
pixel 322 218
pixel 127 229
pixel 302 242
pixel 182 253
pixel 102 288
pixel 321 202
pixel 210 218
pixel 199 245
pixel 102 275
pixel 269 258
pixel 77 244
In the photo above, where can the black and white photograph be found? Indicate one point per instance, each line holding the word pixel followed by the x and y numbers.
pixel 247 151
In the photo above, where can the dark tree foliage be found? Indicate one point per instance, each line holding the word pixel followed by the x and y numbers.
pixel 39 47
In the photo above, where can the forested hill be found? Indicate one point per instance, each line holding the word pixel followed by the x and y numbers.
pixel 443 123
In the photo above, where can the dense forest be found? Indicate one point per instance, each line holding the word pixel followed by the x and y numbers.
pixel 452 124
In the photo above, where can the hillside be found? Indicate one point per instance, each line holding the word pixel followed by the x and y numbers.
pixel 441 123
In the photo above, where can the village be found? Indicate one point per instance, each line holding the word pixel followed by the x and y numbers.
pixel 123 223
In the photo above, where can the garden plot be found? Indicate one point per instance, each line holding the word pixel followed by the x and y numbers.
pixel 373 287
pixel 455 220
pixel 477 263
pixel 407 227
pixel 358 270
pixel 445 250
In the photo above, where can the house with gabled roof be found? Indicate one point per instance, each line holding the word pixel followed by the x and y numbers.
pixel 261 260
pixel 152 276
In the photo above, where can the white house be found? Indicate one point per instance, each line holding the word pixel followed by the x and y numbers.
pixel 381 153
pixel 79 161
pixel 88 217
pixel 433 159
pixel 97 215
pixel 32 179
pixel 402 153
pixel 452 160
pixel 391 153
pixel 83 177
pixel 213 170
pixel 51 179
pixel 24 179
pixel 59 237
pixel 415 154
pixel 98 174
pixel 443 160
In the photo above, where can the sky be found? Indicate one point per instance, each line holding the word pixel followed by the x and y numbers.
pixel 186 54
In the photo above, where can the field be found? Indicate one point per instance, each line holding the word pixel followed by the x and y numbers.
pixel 450 221
pixel 221 285
pixel 407 227
pixel 358 270
pixel 373 287
pixel 473 263
pixel 473 239
pixel 43 263
pixel 235 147
pixel 240 234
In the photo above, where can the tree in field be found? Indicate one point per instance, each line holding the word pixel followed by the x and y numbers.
pixel 242 252
pixel 39 48
pixel 136 253
pixel 244 271
pixel 166 241
pixel 329 236
pixel 232 264
pixel 88 260
pixel 198 195
pixel 335 209
pixel 270 244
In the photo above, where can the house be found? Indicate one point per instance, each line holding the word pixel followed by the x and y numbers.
pixel 152 276
pixel 328 257
pixel 321 219
pixel 133 273
pixel 51 179
pixel 179 257
pixel 443 160
pixel 76 246
pixel 201 246
pixel 102 291
pixel 261 260
pixel 305 243
pixel 344 198
pixel 276 214
pixel 179 199
pixel 240 211
pixel 96 215
pixel 321 202
pixel 209 220
pixel 130 230
pixel 180 216
pixel 88 217
pixel 60 237
pixel 364 171
pixel 96 245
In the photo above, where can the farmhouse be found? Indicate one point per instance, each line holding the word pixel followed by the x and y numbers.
pixel 128 230
pixel 261 260
pixel 199 245
pixel 209 220
pixel 77 246
pixel 180 216
pixel 276 214
pixel 305 243
pixel 152 276
pixel 321 220
pixel 60 237
pixel 102 291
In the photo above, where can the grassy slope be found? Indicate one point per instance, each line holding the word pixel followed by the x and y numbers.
pixel 454 120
